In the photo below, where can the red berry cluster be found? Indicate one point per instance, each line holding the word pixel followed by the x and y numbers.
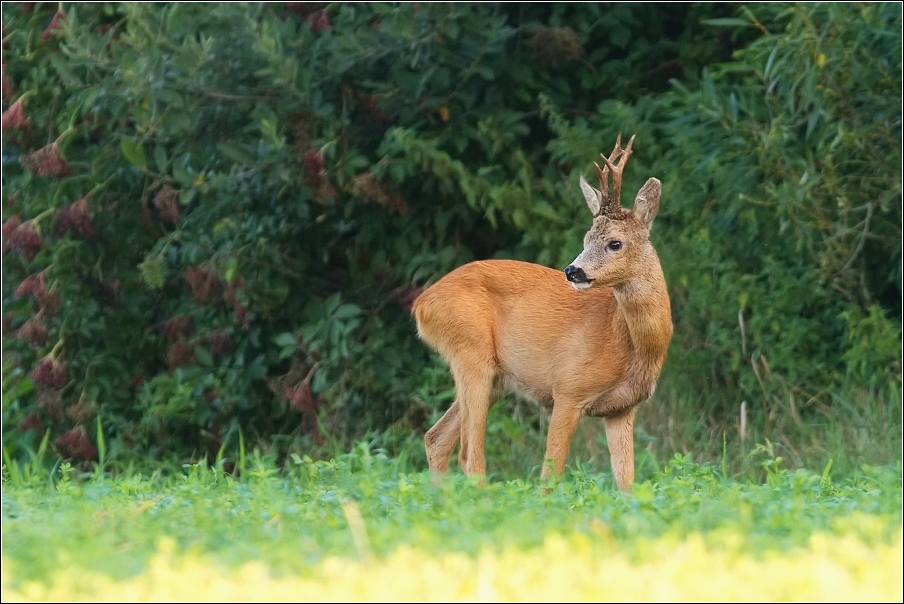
pixel 33 332
pixel 32 421
pixel 57 23
pixel 177 328
pixel 177 331
pixel 301 398
pixel 314 170
pixel 319 20
pixel 179 354
pixel 22 237
pixel 76 217
pixel 14 118
pixel 204 286
pixel 239 310
pixel 31 285
pixel 554 46
pixel 369 187
pixel 12 223
pixel 50 373
pixel 315 175
pixel 167 203
pixel 80 412
pixel 75 444
pixel 47 161
pixel 35 287
pixel 219 341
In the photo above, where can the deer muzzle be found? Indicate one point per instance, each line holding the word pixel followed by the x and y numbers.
pixel 577 277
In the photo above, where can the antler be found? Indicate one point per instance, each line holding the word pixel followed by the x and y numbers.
pixel 610 202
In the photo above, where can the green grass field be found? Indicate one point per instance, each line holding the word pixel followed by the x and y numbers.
pixel 362 526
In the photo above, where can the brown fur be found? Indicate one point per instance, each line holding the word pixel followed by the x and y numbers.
pixel 596 351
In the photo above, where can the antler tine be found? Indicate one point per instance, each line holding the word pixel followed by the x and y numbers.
pixel 616 166
pixel 603 173
pixel 616 148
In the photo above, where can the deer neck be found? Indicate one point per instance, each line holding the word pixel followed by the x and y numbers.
pixel 643 304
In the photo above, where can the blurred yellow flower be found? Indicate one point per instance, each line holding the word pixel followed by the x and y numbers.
pixel 565 568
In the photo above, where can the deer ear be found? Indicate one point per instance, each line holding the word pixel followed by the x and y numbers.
pixel 646 204
pixel 594 198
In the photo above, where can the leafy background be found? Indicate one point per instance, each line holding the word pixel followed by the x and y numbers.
pixel 216 217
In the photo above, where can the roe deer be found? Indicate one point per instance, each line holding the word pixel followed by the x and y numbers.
pixel 589 342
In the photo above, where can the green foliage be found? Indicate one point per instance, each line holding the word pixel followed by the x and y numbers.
pixel 791 192
pixel 294 522
pixel 215 220
pixel 780 227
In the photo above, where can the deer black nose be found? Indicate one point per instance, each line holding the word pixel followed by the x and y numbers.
pixel 575 274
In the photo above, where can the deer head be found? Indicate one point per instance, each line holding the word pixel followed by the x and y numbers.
pixel 617 245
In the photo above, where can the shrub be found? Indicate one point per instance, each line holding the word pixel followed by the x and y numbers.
pixel 215 221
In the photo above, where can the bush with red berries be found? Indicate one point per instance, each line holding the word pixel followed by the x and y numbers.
pixel 216 218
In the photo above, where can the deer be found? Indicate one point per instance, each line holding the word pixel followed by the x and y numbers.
pixel 591 341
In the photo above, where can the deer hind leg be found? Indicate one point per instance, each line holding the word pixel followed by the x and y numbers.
pixel 474 386
pixel 620 434
pixel 441 439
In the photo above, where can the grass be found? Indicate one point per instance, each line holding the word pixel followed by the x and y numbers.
pixel 367 526
pixel 842 430
pixel 843 427
pixel 796 509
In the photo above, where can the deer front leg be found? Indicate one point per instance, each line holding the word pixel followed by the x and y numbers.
pixel 562 425
pixel 440 440
pixel 620 434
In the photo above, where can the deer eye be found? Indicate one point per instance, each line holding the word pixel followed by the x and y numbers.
pixel 614 245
